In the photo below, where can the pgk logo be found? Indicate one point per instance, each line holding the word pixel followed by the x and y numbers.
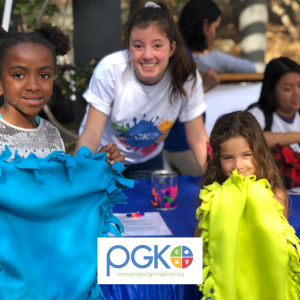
pixel 181 257
pixel 149 261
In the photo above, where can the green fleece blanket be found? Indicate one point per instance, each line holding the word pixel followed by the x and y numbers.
pixel 250 252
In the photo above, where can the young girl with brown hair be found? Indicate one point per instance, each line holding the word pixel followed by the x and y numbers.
pixel 249 249
pixel 136 95
pixel 237 142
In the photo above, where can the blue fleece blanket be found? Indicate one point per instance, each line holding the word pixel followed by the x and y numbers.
pixel 51 212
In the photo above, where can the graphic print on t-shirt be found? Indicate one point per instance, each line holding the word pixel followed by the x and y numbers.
pixel 145 135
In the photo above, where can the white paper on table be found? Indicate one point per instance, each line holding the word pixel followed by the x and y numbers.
pixel 294 191
pixel 151 224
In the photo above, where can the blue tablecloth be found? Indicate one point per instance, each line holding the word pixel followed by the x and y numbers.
pixel 181 222
pixel 294 218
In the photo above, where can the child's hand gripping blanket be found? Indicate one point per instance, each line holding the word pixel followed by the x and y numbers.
pixel 250 252
pixel 51 212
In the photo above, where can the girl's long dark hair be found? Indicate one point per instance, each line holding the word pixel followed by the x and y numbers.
pixel 275 69
pixel 242 123
pixel 182 67
pixel 191 21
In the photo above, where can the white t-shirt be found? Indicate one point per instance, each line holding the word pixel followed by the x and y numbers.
pixel 139 117
pixel 278 125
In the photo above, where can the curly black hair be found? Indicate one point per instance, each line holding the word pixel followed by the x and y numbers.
pixel 49 36
pixel 191 20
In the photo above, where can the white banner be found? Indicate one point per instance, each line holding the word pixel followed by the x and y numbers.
pixel 149 261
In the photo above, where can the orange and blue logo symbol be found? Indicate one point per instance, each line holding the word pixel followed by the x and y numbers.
pixel 181 257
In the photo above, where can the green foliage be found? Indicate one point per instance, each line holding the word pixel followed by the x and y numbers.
pixel 75 77
pixel 29 10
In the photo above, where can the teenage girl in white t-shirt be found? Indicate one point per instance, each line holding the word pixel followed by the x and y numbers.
pixel 136 95
pixel 279 103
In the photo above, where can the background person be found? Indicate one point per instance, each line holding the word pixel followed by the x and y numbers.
pixel 277 110
pixel 197 24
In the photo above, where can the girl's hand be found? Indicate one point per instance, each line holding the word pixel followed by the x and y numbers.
pixel 113 154
pixel 281 138
pixel 210 80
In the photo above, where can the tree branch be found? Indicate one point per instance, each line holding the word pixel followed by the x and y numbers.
pixel 42 11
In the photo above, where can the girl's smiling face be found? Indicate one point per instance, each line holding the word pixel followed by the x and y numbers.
pixel 236 154
pixel 150 51
pixel 26 80
pixel 287 94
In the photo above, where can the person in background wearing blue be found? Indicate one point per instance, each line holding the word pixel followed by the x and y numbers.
pixel 197 24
